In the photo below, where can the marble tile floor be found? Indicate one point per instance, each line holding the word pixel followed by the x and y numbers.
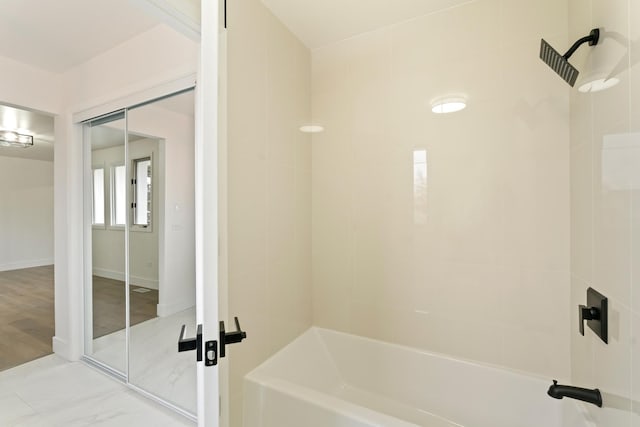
pixel 154 362
pixel 51 392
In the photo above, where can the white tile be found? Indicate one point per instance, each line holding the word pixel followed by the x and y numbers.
pixel 269 189
pixel 13 409
pixel 68 384
pixel 10 378
pixel 524 20
pixel 496 231
pixel 582 248
pixel 33 421
pixel 54 393
pixel 115 409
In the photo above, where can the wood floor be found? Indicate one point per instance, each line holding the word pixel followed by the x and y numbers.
pixel 109 305
pixel 27 319
pixel 26 315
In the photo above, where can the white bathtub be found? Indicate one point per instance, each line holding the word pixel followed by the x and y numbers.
pixel 331 379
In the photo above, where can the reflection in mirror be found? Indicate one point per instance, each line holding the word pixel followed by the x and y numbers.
pixel 105 296
pixel 162 248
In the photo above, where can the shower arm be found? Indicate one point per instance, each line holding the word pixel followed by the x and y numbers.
pixel 592 38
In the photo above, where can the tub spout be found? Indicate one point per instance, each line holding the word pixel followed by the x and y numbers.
pixel 586 395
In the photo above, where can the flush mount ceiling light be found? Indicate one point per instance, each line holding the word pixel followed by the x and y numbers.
pixel 448 105
pixel 311 129
pixel 597 85
pixel 14 139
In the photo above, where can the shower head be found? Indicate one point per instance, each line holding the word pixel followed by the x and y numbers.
pixel 560 63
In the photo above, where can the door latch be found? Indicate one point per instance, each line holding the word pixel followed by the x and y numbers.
pixel 230 337
pixel 188 344
pixel 210 352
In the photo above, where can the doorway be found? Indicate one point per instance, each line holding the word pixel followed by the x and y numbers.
pixel 26 233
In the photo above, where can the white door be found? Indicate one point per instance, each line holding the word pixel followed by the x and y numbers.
pixel 207 210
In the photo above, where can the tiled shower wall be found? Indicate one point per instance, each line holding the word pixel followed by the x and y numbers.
pixel 269 187
pixel 446 232
pixel 605 205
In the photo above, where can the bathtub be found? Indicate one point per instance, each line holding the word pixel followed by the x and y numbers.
pixel 331 379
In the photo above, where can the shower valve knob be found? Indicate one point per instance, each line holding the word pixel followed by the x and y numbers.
pixel 587 313
pixel 595 314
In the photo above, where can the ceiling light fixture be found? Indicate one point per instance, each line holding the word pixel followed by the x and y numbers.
pixel 448 105
pixel 14 139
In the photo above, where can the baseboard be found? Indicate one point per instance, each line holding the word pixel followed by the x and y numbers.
pixel 165 310
pixel 19 265
pixel 108 274
pixel 61 348
pixel 134 280
pixel 144 282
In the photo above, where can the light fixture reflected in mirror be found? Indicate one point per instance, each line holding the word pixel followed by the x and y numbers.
pixel 311 129
pixel 448 105
pixel 14 139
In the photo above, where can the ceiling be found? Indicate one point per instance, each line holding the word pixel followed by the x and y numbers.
pixel 39 125
pixel 321 22
pixel 57 35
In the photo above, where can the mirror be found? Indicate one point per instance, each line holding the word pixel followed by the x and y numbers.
pixel 140 210
pixel 162 247
pixel 105 296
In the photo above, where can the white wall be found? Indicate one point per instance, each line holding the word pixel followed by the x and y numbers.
pixel 26 213
pixel 151 58
pixel 269 188
pixel 177 193
pixel 25 86
pixel 605 207
pixel 474 260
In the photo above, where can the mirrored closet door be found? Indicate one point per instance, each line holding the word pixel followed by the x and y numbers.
pixel 162 248
pixel 140 285
pixel 105 277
